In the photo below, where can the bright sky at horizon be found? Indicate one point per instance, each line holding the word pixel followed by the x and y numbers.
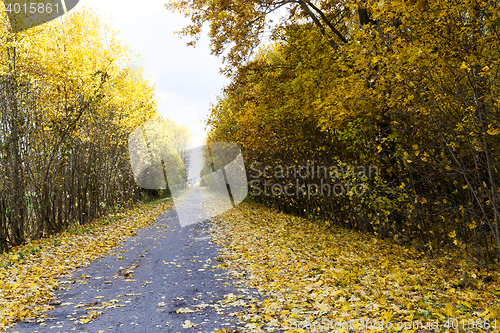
pixel 187 79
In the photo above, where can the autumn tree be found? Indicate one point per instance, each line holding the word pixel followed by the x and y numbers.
pixel 69 101
pixel 407 86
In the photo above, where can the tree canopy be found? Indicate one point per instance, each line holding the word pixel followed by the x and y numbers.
pixel 410 87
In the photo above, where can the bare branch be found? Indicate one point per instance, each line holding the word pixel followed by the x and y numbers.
pixel 318 23
pixel 342 38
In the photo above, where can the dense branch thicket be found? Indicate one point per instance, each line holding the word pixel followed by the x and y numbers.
pixel 410 88
pixel 68 101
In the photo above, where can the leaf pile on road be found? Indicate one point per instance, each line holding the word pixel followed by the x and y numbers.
pixel 314 277
pixel 29 273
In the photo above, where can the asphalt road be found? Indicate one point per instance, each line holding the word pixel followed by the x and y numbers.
pixel 162 280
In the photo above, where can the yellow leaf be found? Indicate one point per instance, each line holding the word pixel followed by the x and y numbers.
pixel 188 324
pixel 493 131
pixel 387 316
pixel 449 310
pixel 467 304
pixel 485 313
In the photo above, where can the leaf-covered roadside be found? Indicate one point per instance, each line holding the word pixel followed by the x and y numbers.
pixel 312 275
pixel 28 274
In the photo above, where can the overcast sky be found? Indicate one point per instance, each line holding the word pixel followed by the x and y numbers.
pixel 187 79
